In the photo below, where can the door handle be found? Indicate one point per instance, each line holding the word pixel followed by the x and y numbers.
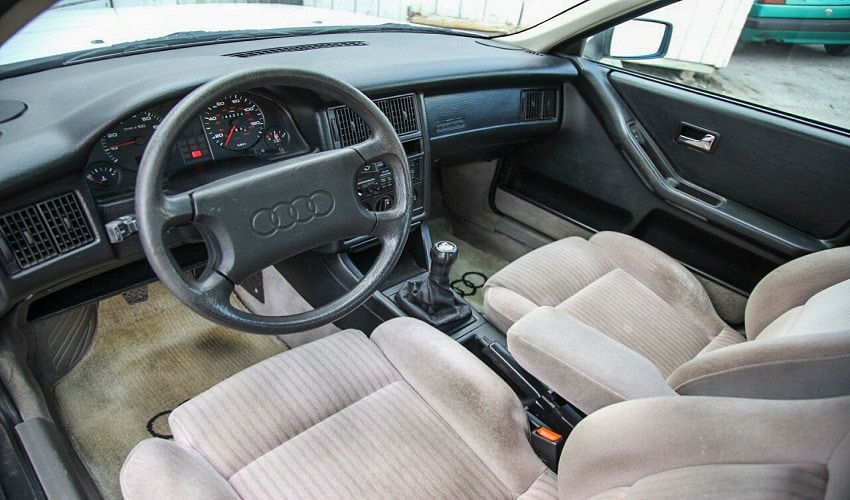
pixel 697 137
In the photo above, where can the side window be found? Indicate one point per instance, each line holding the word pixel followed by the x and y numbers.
pixel 792 56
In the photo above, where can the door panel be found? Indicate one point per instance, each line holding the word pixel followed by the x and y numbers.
pixel 794 173
pixel 772 188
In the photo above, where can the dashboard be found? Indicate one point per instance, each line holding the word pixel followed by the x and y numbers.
pixel 69 161
pixel 239 125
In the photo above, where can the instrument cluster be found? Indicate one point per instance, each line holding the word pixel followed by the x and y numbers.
pixel 240 125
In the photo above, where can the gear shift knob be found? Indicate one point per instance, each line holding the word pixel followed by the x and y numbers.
pixel 443 255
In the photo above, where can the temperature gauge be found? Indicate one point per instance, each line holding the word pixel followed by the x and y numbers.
pixel 102 176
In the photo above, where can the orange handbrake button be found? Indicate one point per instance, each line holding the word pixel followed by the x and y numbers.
pixel 549 434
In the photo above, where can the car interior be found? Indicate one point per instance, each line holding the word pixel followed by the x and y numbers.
pixel 416 262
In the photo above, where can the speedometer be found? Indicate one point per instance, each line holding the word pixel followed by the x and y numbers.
pixel 234 122
pixel 125 143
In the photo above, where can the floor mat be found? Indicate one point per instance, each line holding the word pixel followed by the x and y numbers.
pixel 145 360
pixel 473 266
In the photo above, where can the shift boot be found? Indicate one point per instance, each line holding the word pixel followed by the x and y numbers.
pixel 431 298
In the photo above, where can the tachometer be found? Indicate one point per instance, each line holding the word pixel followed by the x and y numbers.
pixel 125 143
pixel 234 122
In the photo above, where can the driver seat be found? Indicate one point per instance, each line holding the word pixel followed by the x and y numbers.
pixel 412 414
pixel 409 413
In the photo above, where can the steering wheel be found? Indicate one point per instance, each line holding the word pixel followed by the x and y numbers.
pixel 254 219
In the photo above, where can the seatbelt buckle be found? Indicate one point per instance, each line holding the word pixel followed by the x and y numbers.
pixel 547 444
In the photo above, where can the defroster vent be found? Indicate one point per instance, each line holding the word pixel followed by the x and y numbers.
pixel 42 231
pixel 351 129
pixel 297 48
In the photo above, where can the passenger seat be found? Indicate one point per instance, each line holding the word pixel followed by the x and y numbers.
pixel 611 318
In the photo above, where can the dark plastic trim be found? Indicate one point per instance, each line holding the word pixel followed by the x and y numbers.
pixel 43 445
pixel 732 216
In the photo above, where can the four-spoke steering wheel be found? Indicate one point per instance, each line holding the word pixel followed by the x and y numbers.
pixel 254 219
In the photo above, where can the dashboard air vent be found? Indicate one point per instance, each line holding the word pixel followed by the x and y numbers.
pixel 401 111
pixel 538 104
pixel 42 231
pixel 297 48
pixel 66 222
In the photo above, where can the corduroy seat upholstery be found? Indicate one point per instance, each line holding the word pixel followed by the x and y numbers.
pixel 611 318
pixel 407 414
pixel 412 414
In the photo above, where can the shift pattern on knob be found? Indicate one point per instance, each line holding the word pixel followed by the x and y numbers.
pixel 443 255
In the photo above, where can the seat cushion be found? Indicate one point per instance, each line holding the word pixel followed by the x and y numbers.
pixel 707 447
pixel 618 285
pixel 410 414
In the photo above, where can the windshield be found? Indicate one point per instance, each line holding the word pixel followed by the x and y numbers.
pixel 88 25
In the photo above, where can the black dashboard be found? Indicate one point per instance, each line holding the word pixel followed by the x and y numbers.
pixel 68 163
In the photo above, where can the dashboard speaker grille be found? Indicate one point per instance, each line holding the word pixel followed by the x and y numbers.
pixel 401 111
pixel 297 48
pixel 39 232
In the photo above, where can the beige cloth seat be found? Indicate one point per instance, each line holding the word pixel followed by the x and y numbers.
pixel 412 414
pixel 611 318
pixel 407 414
pixel 707 447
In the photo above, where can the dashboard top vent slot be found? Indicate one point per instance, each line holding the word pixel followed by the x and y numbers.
pixel 401 111
pixel 538 104
pixel 42 231
pixel 297 48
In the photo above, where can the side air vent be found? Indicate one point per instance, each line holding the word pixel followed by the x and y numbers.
pixel 351 129
pixel 538 104
pixel 40 232
pixel 297 48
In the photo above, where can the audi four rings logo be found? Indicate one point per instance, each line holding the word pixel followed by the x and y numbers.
pixel 284 215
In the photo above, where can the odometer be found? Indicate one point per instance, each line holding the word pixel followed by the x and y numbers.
pixel 234 122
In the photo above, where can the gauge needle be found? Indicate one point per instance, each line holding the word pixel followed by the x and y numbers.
pixel 128 143
pixel 230 134
pixel 95 181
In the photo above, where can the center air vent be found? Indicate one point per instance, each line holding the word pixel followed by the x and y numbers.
pixel 42 231
pixel 351 129
pixel 538 104
pixel 297 48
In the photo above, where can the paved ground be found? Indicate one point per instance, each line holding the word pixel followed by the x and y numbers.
pixel 799 79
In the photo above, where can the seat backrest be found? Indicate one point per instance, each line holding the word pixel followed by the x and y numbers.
pixel 798 323
pixel 790 287
pixel 710 448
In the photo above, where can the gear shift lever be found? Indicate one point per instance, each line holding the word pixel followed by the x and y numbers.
pixel 431 298
pixel 443 255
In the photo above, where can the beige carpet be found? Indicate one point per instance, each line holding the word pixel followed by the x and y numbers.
pixel 470 260
pixel 146 359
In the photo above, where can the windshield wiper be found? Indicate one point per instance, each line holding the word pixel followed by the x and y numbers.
pixel 386 28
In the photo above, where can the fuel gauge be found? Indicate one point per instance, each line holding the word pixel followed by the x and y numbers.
pixel 102 176
pixel 277 139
